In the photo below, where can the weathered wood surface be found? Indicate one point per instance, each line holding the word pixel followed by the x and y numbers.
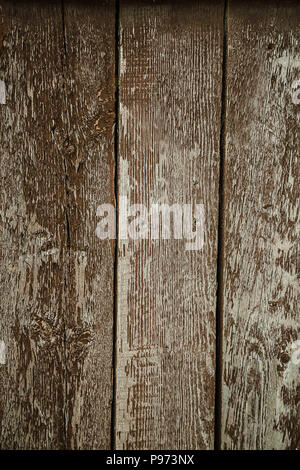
pixel 57 114
pixel 56 278
pixel 170 102
pixel 33 231
pixel 89 102
pixel 261 383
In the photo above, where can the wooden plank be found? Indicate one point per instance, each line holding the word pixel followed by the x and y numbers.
pixel 261 408
pixel 170 102
pixel 56 277
pixel 33 229
pixel 89 159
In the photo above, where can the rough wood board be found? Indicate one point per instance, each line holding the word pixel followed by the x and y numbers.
pixel 56 276
pixel 33 232
pixel 261 384
pixel 170 102
pixel 89 94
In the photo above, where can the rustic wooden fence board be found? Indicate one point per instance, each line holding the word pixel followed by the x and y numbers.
pixel 261 216
pixel 170 103
pixel 56 278
pixel 89 104
pixel 33 229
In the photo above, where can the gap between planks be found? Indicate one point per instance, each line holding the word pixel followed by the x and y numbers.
pixel 220 255
pixel 116 144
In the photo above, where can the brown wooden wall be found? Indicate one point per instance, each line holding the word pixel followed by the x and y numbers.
pixel 142 344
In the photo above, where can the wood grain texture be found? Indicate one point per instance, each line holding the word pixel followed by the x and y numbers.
pixel 89 93
pixel 261 383
pixel 33 229
pixel 56 276
pixel 170 102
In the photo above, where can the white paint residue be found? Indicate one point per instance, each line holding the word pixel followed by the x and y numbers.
pixel 122 59
pixel 2 352
pixel 54 252
pixel 2 92
pixel 80 265
pixel 295 92
pixel 124 115
pixel 286 62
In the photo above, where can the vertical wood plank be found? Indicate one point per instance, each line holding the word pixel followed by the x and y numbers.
pixel 89 92
pixel 170 102
pixel 33 230
pixel 261 385
pixel 57 63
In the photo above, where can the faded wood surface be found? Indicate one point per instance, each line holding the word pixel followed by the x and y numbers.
pixel 261 386
pixel 89 94
pixel 56 278
pixel 57 165
pixel 33 230
pixel 170 102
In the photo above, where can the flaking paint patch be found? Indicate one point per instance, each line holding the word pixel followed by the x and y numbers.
pixel 124 381
pixel 124 117
pixel 122 59
pixel 288 387
pixel 2 352
pixel 80 265
pixel 124 177
pixel 286 62
pixel 2 92
pixel 124 268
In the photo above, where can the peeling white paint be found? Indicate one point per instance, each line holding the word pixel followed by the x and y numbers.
pixel 2 92
pixel 51 252
pixel 286 62
pixel 124 117
pixel 2 352
pixel 80 265
pixel 295 93
pixel 122 59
